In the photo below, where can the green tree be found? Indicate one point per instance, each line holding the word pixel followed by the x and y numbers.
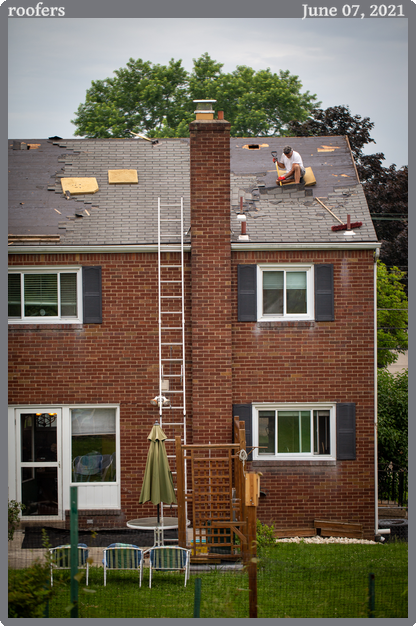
pixel 392 419
pixel 392 315
pixel 386 190
pixel 141 97
pixel 158 100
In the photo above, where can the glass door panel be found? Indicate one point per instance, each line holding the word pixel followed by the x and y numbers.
pixel 39 463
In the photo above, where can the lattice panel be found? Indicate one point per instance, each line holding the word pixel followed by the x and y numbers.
pixel 216 494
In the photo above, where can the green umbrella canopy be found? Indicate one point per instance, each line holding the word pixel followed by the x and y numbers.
pixel 157 481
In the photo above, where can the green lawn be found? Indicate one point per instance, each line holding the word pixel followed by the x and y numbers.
pixel 294 580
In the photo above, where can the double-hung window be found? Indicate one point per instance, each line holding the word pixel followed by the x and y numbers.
pixel 40 295
pixel 294 431
pixel 45 295
pixel 271 292
pixel 285 293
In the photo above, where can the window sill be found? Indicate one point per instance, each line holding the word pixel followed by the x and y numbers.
pixel 287 323
pixel 45 325
pixel 277 463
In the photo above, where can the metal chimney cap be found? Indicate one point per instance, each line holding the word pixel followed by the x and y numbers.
pixel 204 105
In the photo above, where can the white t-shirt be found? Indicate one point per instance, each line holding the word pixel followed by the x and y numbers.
pixel 295 158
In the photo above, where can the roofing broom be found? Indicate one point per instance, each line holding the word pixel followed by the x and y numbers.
pixel 342 226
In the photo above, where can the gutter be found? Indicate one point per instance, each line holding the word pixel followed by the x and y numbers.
pixel 133 248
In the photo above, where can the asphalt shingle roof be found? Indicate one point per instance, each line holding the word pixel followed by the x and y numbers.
pixel 127 213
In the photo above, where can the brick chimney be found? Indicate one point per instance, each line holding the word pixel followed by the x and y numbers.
pixel 211 277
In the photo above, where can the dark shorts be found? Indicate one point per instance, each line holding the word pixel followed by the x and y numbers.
pixel 302 173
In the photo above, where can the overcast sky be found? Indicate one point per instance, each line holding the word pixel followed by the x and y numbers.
pixel 359 63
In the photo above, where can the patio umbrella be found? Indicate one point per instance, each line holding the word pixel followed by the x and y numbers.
pixel 157 481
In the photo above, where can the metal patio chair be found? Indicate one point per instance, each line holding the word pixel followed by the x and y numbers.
pixel 123 556
pixel 61 558
pixel 169 558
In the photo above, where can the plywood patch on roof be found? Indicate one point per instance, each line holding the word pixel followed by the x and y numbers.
pixel 123 177
pixel 79 185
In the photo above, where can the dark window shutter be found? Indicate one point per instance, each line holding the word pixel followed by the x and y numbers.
pixel 91 291
pixel 346 431
pixel 244 413
pixel 247 293
pixel 324 293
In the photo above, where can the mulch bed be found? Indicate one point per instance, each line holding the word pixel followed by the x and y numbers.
pixel 100 538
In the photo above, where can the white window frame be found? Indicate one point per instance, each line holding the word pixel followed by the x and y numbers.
pixel 50 319
pixel 98 495
pixel 294 406
pixel 117 441
pixel 310 299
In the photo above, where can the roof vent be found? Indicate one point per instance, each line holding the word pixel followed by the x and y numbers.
pixel 204 109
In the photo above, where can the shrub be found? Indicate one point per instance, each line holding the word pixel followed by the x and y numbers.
pixel 29 589
pixel 13 518
pixel 265 535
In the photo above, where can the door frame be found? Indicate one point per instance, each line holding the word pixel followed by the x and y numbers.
pixel 18 464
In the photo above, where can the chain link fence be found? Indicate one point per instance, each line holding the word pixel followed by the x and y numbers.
pixel 293 580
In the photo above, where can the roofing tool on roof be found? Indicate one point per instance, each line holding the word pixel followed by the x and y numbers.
pixel 348 225
pixel 274 155
pixel 153 141
pixel 342 226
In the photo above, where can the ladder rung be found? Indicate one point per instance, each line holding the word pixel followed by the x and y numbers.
pixel 176 265
pixel 170 281
pixel 172 344
pixel 170 312
pixel 171 328
pixel 172 375
pixel 172 391
pixel 171 297
pixel 172 424
pixel 175 360
pixel 174 219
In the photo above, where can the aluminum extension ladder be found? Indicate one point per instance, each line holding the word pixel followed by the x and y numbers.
pixel 171 314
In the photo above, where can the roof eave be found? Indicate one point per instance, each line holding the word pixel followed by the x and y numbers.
pixel 235 246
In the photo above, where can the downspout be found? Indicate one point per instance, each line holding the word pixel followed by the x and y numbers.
pixel 377 531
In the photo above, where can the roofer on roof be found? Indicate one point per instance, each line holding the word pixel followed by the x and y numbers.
pixel 292 162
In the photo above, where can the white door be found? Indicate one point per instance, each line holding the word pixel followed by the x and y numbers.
pixel 38 454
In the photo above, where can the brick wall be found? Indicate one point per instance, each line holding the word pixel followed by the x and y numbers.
pixel 112 362
pixel 314 362
pixel 117 362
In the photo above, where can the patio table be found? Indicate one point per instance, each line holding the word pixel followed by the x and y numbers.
pixel 151 523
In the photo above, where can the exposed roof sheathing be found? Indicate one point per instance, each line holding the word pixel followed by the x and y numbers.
pixel 126 214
